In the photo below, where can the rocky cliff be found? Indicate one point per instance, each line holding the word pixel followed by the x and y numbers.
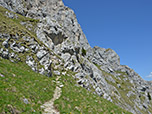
pixel 50 40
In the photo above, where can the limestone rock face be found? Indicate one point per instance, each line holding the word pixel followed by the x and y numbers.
pixel 62 46
pixel 58 23
pixel 107 59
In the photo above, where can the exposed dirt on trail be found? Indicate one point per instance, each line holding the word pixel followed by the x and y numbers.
pixel 49 106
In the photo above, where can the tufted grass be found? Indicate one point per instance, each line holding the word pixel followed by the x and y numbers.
pixel 19 83
pixel 123 90
pixel 13 26
pixel 77 100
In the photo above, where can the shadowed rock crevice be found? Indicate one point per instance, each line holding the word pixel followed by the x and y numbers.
pixel 56 38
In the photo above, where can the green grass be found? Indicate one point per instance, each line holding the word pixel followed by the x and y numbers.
pixel 108 50
pixel 83 52
pixel 13 26
pixel 76 100
pixel 123 90
pixel 20 19
pixel 20 82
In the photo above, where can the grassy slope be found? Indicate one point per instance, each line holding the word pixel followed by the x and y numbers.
pixel 76 100
pixel 20 82
pixel 124 89
pixel 13 26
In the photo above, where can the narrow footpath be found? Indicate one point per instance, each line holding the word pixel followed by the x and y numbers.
pixel 49 106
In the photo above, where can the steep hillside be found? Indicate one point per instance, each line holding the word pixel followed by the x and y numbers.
pixel 47 37
pixel 23 91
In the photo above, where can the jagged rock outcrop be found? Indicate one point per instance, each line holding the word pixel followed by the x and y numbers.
pixel 62 45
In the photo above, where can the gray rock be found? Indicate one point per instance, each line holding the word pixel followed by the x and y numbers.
pixel 25 101
pixel 40 54
pixel 65 56
pixel 22 49
pixel 5 54
pixel 109 78
pixel 57 73
pixel 12 55
pixel 11 15
pixel 42 71
pixel 5 43
pixel 1 35
pixel 61 86
pixel 30 62
pixel 71 67
pixel 64 73
pixel 118 85
pixel 130 93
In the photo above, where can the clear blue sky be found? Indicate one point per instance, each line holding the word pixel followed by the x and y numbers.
pixel 122 25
